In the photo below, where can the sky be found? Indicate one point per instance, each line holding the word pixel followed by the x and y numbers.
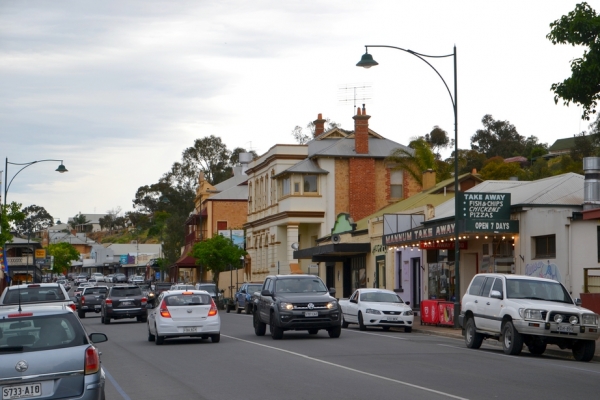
pixel 118 89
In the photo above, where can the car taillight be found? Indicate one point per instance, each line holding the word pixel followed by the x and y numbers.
pixel 20 314
pixel 82 299
pixel 213 308
pixel 144 301
pixel 92 361
pixel 164 311
pixel 108 303
pixel 73 306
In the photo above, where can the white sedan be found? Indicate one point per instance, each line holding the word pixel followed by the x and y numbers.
pixel 177 313
pixel 376 307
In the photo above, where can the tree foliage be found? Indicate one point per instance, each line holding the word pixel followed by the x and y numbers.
pixel 579 27
pixel 414 161
pixel 80 221
pixel 302 136
pixel 495 168
pixel 11 215
pixel 498 138
pixel 438 139
pixel 63 253
pixel 217 254
pixel 208 154
pixel 35 219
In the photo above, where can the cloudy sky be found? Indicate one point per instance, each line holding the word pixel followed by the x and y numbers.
pixel 118 89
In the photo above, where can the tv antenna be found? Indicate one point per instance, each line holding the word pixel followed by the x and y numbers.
pixel 353 92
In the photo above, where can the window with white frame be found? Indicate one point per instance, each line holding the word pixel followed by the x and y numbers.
pixel 396 184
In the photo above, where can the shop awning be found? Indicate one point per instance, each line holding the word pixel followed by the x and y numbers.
pixel 186 261
pixel 333 252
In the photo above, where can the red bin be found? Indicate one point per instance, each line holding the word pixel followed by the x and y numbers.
pixel 429 312
pixel 446 313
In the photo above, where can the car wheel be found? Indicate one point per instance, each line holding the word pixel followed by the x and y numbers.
pixel 473 339
pixel 512 341
pixel 227 308
pixel 537 348
pixel 335 333
pixel 408 329
pixel 238 310
pixel 216 338
pixel 151 337
pixel 159 340
pixel 344 323
pixel 106 320
pixel 259 327
pixel 276 332
pixel 313 331
pixel 247 308
pixel 584 350
pixel 81 314
pixel 361 324
pixel 385 328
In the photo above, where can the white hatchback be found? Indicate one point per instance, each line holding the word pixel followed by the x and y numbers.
pixel 183 313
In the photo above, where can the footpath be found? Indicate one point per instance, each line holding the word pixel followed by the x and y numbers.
pixel 448 331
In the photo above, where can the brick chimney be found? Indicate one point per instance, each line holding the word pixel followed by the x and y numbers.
pixel 319 125
pixel 361 131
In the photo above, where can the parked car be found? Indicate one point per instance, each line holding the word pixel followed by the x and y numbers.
pixel 296 302
pixel 517 310
pixel 124 301
pixel 36 293
pixel 82 278
pixel 119 278
pixel 376 307
pixel 243 297
pixel 47 353
pixel 184 313
pixel 97 276
pixel 138 279
pixel 92 281
pixel 181 286
pixel 211 288
pixel 109 278
pixel 91 300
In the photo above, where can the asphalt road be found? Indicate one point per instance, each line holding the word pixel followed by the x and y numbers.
pixel 358 365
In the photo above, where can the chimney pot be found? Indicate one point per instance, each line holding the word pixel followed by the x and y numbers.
pixel 319 125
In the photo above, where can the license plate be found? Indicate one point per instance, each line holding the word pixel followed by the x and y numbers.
pixel 311 314
pixel 126 303
pixel 565 328
pixel 191 329
pixel 392 318
pixel 22 391
pixel 97 306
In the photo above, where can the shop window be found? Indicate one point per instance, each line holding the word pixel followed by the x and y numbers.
pixel 396 181
pixel 545 246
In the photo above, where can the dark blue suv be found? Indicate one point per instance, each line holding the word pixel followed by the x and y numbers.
pixel 243 298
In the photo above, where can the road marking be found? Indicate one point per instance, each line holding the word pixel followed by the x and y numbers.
pixel 376 334
pixel 348 368
pixel 116 385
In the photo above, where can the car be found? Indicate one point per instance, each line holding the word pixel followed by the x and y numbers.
pixel 92 281
pixel 77 291
pixel 124 301
pixel 47 353
pixel 522 310
pixel 157 288
pixel 296 302
pixel 119 278
pixel 81 278
pixel 181 286
pixel 212 289
pixel 109 278
pixel 184 313
pixel 66 284
pixel 97 276
pixel 376 307
pixel 243 297
pixel 136 280
pixel 36 293
pixel 90 300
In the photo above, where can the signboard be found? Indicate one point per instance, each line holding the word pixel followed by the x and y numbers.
pixel 414 235
pixel 484 206
pixel 498 226
pixel 40 253
pixel 236 236
pixel 447 245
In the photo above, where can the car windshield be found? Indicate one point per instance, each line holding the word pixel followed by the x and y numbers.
pixel 537 290
pixel 126 291
pixel 195 299
pixel 34 295
pixel 253 288
pixel 300 285
pixel 95 290
pixel 380 297
pixel 37 333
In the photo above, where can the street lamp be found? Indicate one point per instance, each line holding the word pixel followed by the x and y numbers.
pixel 61 168
pixel 367 61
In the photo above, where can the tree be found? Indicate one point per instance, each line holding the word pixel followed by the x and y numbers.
pixel 497 169
pixel 468 160
pixel 299 135
pixel 63 253
pixel 235 155
pixel 414 162
pixel 438 139
pixel 217 254
pixel 36 219
pixel 498 138
pixel 579 27
pixel 209 155
pixel 79 220
pixel 11 214
pixel 303 137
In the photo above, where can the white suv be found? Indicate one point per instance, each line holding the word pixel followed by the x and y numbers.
pixel 517 310
pixel 98 277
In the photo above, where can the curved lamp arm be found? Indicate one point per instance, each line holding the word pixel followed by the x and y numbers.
pixel 61 168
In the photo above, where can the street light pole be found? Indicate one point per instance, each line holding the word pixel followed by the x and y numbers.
pixel 367 61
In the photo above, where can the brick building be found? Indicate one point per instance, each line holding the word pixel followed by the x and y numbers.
pixel 296 192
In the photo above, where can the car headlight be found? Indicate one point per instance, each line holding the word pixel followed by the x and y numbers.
pixel 372 311
pixel 589 319
pixel 573 320
pixel 409 312
pixel 529 313
pixel 332 305
pixel 286 306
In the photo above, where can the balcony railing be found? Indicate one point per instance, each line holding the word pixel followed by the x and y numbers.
pixel 194 237
pixel 25 260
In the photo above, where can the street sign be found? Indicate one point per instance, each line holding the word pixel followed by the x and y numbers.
pixel 40 253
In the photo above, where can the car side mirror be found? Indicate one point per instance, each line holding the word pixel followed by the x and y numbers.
pixel 332 291
pixel 266 292
pixel 578 302
pixel 98 337
pixel 407 303
pixel 496 294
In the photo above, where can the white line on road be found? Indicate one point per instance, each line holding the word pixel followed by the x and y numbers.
pixel 116 385
pixel 348 368
pixel 376 334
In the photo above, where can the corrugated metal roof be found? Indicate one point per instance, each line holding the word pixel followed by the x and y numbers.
pixel 563 190
pixel 344 147
pixel 563 144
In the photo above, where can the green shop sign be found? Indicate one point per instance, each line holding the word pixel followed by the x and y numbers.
pixel 484 206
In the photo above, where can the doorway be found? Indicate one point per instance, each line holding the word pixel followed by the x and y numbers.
pixel 416 282
pixel 347 278
pixel 330 274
